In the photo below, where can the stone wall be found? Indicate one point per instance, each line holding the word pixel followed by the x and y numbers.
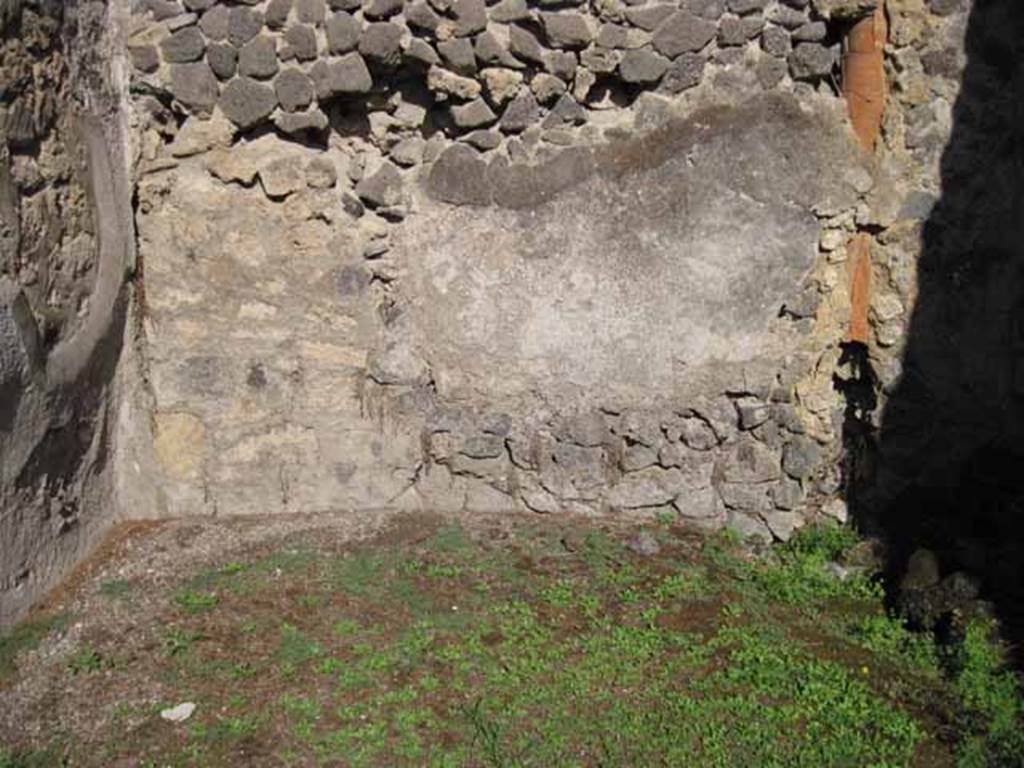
pixel 590 257
pixel 576 257
pixel 65 244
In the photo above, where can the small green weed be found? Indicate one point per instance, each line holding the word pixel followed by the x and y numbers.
pixel 578 652
pixel 295 647
pixel 666 519
pixel 116 589
pixel 44 758
pixel 288 561
pixel 248 627
pixel 690 583
pixel 345 627
pixel 362 574
pixel 993 702
pixel 801 576
pixel 450 539
pixel 443 571
pixel 888 637
pixel 243 670
pixel 178 641
pixel 197 602
pixel 26 637
pixel 227 729
pixel 86 660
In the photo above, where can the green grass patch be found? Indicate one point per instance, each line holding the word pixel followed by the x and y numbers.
pixel 796 573
pixel 992 699
pixel 449 651
pixel 193 601
pixel 86 660
pixel 888 637
pixel 178 641
pixel 116 589
pixel 26 637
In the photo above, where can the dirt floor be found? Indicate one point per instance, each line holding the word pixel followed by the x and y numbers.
pixel 420 640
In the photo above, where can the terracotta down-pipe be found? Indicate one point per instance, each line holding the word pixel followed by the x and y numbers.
pixel 863 79
pixel 863 76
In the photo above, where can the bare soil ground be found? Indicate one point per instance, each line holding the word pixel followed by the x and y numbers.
pixel 386 640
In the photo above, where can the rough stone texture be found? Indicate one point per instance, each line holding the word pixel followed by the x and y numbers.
pixel 183 46
pixel 310 11
pixel 326 451
pixel 811 60
pixel 294 90
pixel 470 16
pixel 216 22
pixel 458 55
pixel 645 313
pixel 195 86
pixel 258 58
pixel 654 325
pixel 243 25
pixel 246 102
pixel 568 29
pixel 66 242
pixel 473 115
pixel 472 404
pixel 276 13
pixel 381 43
pixel 443 81
pixel 223 60
pixel 642 66
pixel 684 73
pixel 682 32
pixel 521 113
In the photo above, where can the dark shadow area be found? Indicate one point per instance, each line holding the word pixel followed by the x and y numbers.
pixel 946 469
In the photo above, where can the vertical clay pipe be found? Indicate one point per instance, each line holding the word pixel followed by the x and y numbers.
pixel 859 249
pixel 864 91
pixel 864 76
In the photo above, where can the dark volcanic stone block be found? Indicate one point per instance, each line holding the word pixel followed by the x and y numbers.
pixel 342 32
pixel 775 41
pixel 470 16
pixel 277 13
pixel 746 6
pixel 522 112
pixel 223 60
pixel 458 55
pixel 216 22
pixel 381 43
pixel 682 32
pixel 183 46
pixel 243 25
pixel 568 29
pixel 294 89
pixel 311 11
pixel 810 60
pixel 246 102
pixel 642 66
pixel 300 41
pixel 685 72
pixel 194 86
pixel 258 57
pixel 382 9
pixel 144 57
pixel 347 74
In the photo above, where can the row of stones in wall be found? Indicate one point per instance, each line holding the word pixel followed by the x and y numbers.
pixel 744 461
pixel 505 66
